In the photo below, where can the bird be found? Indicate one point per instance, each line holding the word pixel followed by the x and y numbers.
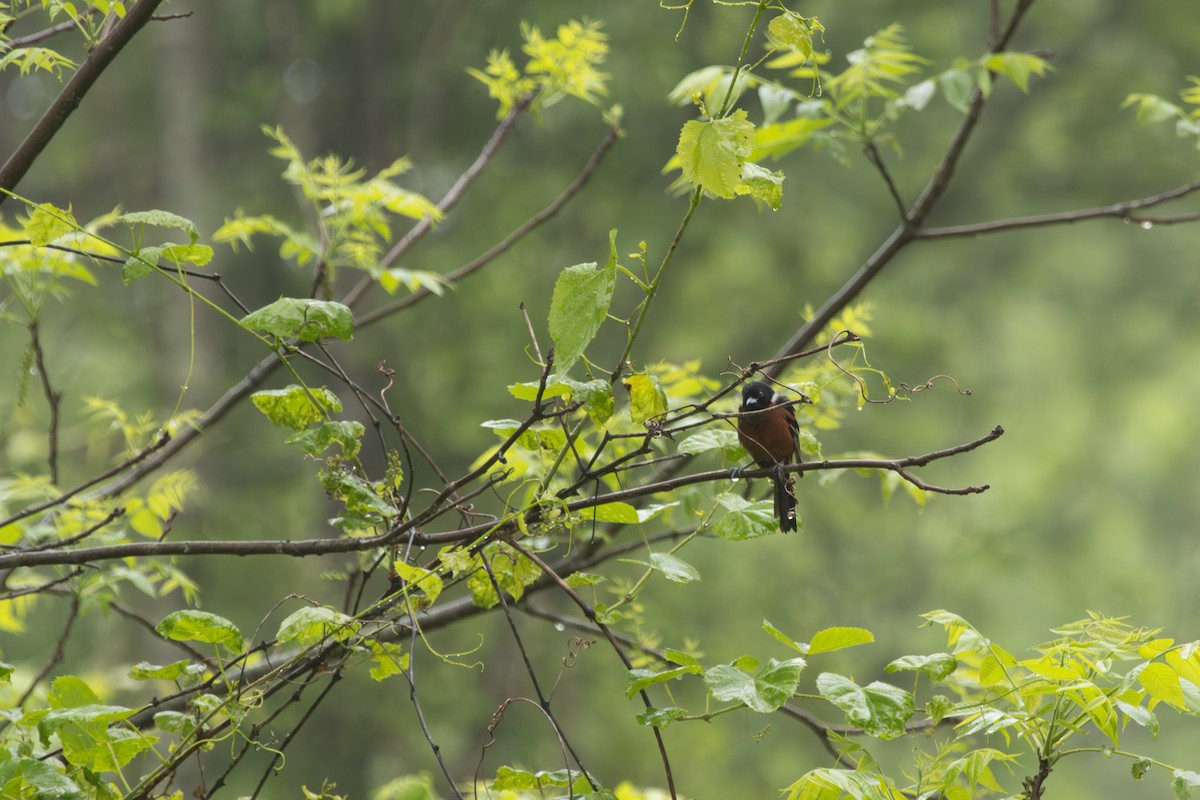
pixel 767 428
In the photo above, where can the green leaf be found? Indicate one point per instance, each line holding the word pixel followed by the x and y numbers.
pixel 47 222
pixel 1185 785
pixel 1151 108
pixel 1162 683
pixel 36 780
pixel 582 296
pixel 790 30
pixel 659 717
pixel 189 625
pixel 597 399
pixel 528 391
pixel 646 397
pixel 831 639
pixel 312 624
pixel 712 153
pixel 1140 715
pixel 175 722
pixel 639 679
pixel 162 219
pixel 673 569
pixel 143 671
pixel 426 581
pixel 295 407
pixel 762 184
pixel 179 254
pixel 937 707
pixel 388 659
pixel 612 512
pixel 28 59
pixel 957 87
pixel 1140 767
pixel 307 320
pixel 360 498
pixel 577 579
pixel 6 671
pixel 513 572
pixel 799 647
pixel 880 709
pixel 345 434
pixel 765 691
pixel 745 520
pixel 140 264
pixel 936 666
pixel 1017 67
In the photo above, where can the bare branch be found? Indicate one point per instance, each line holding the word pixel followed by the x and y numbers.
pixel 1124 211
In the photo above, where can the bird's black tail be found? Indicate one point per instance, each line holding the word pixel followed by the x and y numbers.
pixel 785 502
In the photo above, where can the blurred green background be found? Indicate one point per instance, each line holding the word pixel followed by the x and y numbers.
pixel 1080 340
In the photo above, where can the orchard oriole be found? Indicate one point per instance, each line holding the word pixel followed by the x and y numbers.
pixel 767 428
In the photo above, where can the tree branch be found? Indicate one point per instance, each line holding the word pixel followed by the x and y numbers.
pixel 72 94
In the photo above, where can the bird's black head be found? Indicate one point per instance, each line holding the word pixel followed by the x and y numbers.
pixel 756 395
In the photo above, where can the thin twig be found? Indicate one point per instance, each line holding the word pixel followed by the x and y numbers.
pixel 505 244
pixel 1123 211
pixel 449 200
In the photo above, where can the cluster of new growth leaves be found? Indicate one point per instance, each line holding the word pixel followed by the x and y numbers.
pixel 1151 108
pixel 353 214
pixel 566 65
pixel 722 152
pixel 1097 675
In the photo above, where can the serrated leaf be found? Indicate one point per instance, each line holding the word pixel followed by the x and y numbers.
pixel 880 709
pixel 659 717
pixel 190 625
pixel 143 671
pixel 936 666
pixel 295 407
pixel 745 520
pixel 765 691
pixel 47 222
pixel 359 497
pixel 426 581
pixel 175 722
pixel 622 513
pixel 832 639
pixel 1017 67
pixel 1162 683
pixel 162 219
pixel 799 647
pixel 1185 784
pixel 712 152
pixel 312 624
pixel 388 659
pixel 140 264
pixel 579 305
pixel 316 440
pixel 937 707
pixel 528 391
pixel 577 579
pixel 762 184
pixel 646 397
pixel 957 87
pixel 673 568
pixel 638 679
pixel 302 318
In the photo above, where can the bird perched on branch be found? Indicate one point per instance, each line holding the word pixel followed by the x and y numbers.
pixel 767 428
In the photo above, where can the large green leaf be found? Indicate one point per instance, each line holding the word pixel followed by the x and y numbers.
pixel 582 296
pixel 301 318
